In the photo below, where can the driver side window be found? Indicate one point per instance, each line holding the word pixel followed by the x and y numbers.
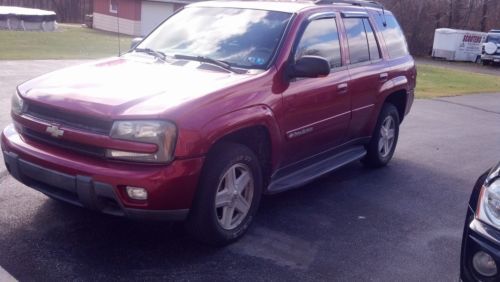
pixel 321 38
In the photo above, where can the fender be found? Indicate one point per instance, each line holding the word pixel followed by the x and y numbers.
pixel 217 128
pixel 393 85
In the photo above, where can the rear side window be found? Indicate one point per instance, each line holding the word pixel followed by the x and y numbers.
pixel 321 38
pixel 372 41
pixel 393 35
pixel 356 37
pixel 363 45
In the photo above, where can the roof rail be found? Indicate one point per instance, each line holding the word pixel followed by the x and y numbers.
pixel 361 3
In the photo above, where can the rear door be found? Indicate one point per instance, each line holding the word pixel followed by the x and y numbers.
pixel 317 110
pixel 367 71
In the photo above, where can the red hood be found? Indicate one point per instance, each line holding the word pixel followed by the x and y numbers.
pixel 131 86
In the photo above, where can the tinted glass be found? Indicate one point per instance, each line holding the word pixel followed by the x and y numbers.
pixel 393 35
pixel 241 37
pixel 493 38
pixel 356 37
pixel 321 38
pixel 372 42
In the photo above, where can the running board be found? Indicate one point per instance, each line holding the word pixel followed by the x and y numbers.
pixel 306 174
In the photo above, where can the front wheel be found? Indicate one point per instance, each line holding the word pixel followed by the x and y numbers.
pixel 385 137
pixel 228 195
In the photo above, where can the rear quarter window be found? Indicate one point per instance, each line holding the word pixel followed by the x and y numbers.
pixel 393 35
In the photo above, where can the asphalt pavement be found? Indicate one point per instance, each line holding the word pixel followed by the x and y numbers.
pixel 402 222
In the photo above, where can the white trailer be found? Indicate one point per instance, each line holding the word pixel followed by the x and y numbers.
pixel 458 45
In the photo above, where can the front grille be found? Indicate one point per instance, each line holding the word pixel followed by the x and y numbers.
pixel 76 147
pixel 73 120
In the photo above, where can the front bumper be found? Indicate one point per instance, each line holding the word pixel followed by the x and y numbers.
pixel 99 184
pixel 479 237
pixel 493 58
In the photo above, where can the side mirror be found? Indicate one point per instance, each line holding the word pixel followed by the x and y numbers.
pixel 310 66
pixel 135 42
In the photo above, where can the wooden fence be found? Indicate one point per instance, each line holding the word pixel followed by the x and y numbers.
pixel 68 11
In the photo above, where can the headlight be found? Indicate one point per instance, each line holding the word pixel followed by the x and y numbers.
pixel 17 104
pixel 488 209
pixel 161 133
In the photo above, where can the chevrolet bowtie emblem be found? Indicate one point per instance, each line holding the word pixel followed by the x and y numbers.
pixel 55 131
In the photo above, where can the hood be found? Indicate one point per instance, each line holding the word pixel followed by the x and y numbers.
pixel 128 86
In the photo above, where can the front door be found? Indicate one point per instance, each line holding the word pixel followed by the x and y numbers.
pixel 317 110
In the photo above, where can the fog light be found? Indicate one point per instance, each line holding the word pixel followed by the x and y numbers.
pixel 484 264
pixel 137 193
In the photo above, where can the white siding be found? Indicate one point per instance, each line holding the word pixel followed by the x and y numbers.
pixel 109 23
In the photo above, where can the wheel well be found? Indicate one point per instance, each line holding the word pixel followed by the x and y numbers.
pixel 398 99
pixel 258 140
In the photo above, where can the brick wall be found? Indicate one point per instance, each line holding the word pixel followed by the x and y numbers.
pixel 128 9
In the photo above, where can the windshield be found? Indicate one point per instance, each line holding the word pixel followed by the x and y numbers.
pixel 493 38
pixel 243 38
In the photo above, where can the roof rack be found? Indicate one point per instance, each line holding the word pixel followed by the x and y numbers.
pixel 361 3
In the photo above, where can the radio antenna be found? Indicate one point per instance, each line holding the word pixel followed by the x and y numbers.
pixel 118 27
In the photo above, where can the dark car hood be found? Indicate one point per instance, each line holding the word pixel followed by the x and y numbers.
pixel 127 86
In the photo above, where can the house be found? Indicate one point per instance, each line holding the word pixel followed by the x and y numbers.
pixel 133 17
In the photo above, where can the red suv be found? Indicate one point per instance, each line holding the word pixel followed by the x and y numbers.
pixel 223 102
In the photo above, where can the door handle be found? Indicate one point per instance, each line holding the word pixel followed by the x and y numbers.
pixel 384 76
pixel 342 88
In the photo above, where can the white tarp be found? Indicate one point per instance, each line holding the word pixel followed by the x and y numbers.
pixel 19 18
pixel 458 45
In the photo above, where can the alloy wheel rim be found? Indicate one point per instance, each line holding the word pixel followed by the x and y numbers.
pixel 387 136
pixel 234 196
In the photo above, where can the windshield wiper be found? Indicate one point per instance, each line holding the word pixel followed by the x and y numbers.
pixel 208 60
pixel 157 54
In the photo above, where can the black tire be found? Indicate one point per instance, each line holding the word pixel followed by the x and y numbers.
pixel 203 222
pixel 485 63
pixel 375 157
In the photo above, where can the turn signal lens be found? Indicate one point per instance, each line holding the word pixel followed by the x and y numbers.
pixel 17 104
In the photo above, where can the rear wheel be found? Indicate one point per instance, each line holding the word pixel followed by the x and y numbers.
pixel 385 137
pixel 228 195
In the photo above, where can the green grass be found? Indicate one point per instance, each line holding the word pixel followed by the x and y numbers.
pixel 435 82
pixel 68 42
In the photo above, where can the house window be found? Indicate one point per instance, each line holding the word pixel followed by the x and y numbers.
pixel 113 6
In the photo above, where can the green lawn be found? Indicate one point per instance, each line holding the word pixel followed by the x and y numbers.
pixel 68 42
pixel 437 82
